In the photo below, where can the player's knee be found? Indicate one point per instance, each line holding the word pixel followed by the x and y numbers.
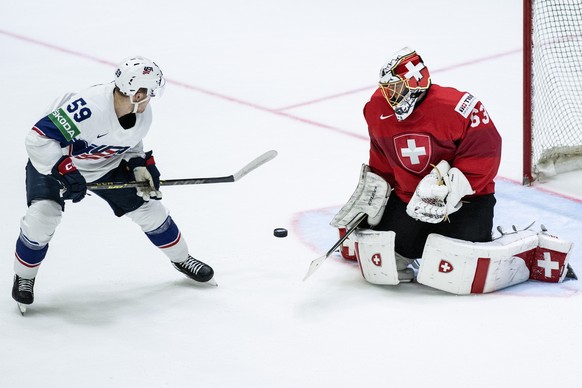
pixel 149 216
pixel 41 220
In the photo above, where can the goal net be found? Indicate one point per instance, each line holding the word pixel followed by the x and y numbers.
pixel 552 87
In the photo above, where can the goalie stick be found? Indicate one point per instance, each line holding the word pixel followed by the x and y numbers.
pixel 257 162
pixel 315 264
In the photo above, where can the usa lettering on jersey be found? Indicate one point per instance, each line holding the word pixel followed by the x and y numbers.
pixel 100 152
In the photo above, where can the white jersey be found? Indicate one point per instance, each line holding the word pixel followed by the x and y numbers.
pixel 85 126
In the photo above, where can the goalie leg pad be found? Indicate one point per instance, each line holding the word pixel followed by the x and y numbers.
pixel 375 253
pixel 550 260
pixel 462 267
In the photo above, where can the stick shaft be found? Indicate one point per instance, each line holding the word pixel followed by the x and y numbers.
pixel 257 162
pixel 167 182
pixel 315 264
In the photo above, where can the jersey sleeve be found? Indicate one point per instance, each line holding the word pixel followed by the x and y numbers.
pixel 43 151
pixel 48 136
pixel 479 151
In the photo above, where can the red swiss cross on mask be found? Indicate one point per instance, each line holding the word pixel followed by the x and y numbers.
pixel 413 151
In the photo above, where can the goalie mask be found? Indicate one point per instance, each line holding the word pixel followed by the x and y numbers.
pixel 403 81
pixel 137 73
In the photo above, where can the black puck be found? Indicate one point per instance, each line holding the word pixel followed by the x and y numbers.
pixel 280 232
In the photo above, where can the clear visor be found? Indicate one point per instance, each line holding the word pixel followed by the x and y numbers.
pixel 394 92
pixel 158 89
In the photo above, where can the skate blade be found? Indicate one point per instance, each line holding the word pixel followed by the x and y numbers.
pixel 21 308
pixel 212 282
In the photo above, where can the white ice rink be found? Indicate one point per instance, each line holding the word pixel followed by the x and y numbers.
pixel 245 77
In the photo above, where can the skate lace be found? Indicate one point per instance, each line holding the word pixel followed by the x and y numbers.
pixel 25 284
pixel 192 265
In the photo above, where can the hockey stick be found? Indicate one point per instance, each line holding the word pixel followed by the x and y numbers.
pixel 259 161
pixel 315 264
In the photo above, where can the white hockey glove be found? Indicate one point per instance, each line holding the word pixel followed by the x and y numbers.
pixel 370 197
pixel 145 170
pixel 439 194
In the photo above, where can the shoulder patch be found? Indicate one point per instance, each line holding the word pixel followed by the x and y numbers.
pixel 64 123
pixel 466 104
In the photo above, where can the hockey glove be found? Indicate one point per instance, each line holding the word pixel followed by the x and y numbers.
pixel 145 170
pixel 370 197
pixel 73 183
pixel 439 194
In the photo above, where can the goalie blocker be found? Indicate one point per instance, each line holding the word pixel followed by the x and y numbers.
pixel 463 267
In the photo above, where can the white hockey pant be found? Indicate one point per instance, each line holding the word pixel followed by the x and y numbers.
pixel 378 261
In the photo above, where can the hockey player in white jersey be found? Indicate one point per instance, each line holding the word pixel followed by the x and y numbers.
pixel 96 136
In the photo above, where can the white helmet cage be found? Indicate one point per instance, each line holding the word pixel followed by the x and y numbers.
pixel 136 73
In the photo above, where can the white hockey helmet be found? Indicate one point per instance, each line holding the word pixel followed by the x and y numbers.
pixel 403 81
pixel 135 73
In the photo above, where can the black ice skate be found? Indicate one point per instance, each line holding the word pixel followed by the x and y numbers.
pixel 196 270
pixel 23 292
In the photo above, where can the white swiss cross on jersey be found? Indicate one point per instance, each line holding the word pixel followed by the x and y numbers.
pixel 413 151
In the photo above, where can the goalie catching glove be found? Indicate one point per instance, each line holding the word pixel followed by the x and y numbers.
pixel 439 194
pixel 370 197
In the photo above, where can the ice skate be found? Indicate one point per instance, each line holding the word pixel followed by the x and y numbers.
pixel 570 274
pixel 196 270
pixel 23 292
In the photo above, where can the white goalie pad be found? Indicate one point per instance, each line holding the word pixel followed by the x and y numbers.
pixel 550 260
pixel 463 267
pixel 375 253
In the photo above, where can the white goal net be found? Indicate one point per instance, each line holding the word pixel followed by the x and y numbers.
pixel 555 86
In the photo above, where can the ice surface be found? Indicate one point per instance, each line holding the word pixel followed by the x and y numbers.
pixel 244 78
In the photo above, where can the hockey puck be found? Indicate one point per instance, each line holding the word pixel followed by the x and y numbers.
pixel 280 232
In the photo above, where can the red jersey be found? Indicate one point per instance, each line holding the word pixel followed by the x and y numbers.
pixel 447 125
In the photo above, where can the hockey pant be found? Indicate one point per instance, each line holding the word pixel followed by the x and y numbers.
pixel 43 217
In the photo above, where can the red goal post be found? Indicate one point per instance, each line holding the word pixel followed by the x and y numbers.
pixel 552 88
